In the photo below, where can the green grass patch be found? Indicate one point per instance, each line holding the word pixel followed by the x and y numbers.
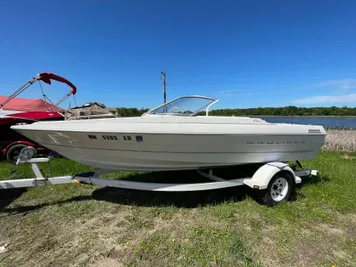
pixel 193 248
pixel 83 224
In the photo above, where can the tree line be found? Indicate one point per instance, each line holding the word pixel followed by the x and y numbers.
pixel 131 112
pixel 287 111
pixel 267 111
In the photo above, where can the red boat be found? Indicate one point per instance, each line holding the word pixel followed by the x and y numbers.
pixel 15 110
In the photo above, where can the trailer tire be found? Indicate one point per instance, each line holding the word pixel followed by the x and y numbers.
pixel 13 152
pixel 280 189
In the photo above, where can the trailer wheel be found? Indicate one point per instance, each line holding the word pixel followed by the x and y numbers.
pixel 279 189
pixel 14 152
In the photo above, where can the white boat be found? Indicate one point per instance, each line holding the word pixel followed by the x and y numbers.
pixel 176 136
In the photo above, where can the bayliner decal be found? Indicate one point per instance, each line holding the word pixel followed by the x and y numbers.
pixel 313 131
pixel 275 142
pixel 91 136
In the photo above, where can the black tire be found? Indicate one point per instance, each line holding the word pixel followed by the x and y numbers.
pixel 13 153
pixel 269 197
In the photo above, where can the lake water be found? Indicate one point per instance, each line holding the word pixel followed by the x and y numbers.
pixel 328 122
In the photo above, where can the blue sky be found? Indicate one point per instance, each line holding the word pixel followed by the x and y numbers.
pixel 247 53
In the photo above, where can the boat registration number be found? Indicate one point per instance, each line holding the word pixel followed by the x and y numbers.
pixel 138 138
pixel 109 137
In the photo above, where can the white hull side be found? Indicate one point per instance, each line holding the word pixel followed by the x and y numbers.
pixel 152 161
pixel 154 152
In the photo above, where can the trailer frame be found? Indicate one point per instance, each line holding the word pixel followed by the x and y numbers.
pixel 276 180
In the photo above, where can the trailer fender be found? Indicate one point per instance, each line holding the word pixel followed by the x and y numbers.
pixel 264 174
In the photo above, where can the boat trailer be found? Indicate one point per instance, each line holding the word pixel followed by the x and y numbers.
pixel 275 181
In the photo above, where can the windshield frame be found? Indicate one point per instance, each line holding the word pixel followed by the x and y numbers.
pixel 205 107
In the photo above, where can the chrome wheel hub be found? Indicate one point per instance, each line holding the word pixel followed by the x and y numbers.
pixel 279 189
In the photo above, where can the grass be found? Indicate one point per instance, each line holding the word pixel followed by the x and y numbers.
pixel 85 225
pixel 80 225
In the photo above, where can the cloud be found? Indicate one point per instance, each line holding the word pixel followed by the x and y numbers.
pixel 344 84
pixel 247 94
pixel 225 91
pixel 327 99
pixel 227 94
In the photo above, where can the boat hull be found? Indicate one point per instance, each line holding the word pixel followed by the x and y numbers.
pixel 130 150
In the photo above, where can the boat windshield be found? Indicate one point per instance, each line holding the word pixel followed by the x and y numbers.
pixel 184 106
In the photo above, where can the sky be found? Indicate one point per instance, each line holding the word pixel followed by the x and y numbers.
pixel 246 53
